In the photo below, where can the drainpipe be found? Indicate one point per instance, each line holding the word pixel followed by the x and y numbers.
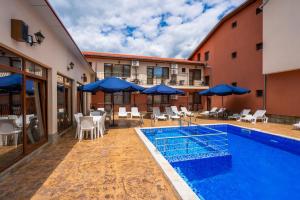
pixel 265 92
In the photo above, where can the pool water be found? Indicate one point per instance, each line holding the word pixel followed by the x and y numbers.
pixel 261 166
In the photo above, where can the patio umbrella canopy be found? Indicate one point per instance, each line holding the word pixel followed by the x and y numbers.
pixel 162 89
pixel 13 83
pixel 224 90
pixel 111 85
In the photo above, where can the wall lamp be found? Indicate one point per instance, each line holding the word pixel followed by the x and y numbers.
pixel 39 38
pixel 70 66
pixel 84 78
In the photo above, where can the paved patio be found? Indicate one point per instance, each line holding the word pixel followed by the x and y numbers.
pixel 117 166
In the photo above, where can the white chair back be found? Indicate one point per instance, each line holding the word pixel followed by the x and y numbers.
pixel 86 122
pixel 76 116
pixel 101 109
pixel 245 112
pixel 214 109
pixel 259 113
pixel 134 110
pixel 95 113
pixel 156 111
pixel 7 126
pixel 175 110
pixel 183 109
pixel 122 110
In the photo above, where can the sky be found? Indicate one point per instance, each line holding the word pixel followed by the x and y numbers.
pixel 164 28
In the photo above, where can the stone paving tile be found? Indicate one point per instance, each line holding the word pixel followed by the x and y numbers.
pixel 117 166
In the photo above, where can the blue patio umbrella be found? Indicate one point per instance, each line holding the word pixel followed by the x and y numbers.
pixel 111 85
pixel 162 89
pixel 224 90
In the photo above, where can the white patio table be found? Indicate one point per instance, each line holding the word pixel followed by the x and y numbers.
pixel 97 122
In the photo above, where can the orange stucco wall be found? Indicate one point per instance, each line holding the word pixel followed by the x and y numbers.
pixel 283 93
pixel 141 101
pixel 246 68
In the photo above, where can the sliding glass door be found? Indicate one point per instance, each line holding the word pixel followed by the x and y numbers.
pixel 64 103
pixel 23 100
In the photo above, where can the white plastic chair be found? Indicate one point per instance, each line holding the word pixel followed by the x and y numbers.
pixel 100 109
pixel 77 120
pixel 7 129
pixel 102 125
pixel 186 112
pixel 157 115
pixel 171 114
pixel 86 125
pixel 122 112
pixel 135 112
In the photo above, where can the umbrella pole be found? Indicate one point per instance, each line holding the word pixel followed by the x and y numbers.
pixel 113 109
pixel 222 102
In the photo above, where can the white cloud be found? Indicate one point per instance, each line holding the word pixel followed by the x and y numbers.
pixel 167 28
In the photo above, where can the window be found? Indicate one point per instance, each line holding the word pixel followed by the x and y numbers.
pixel 259 93
pixel 120 98
pixel 198 56
pixel 150 75
pixel 206 80
pixel 259 46
pixel 206 55
pixel 194 75
pixel 165 72
pixel 35 69
pixel 234 24
pixel 10 59
pixel 258 10
pixel 117 70
pixel 233 55
pixel 183 70
pixel 234 84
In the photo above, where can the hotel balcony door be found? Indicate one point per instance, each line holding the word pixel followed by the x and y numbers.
pixel 64 103
pixel 35 113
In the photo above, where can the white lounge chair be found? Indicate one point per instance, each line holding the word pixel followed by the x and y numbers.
pixel 207 113
pixel 122 112
pixel 175 110
pixel 237 116
pixel 135 112
pixel 258 115
pixel 218 113
pixel 297 125
pixel 186 112
pixel 171 114
pixel 157 115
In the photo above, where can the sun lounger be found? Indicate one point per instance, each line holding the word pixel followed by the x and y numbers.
pixel 157 115
pixel 206 113
pixel 171 114
pixel 135 112
pixel 186 112
pixel 237 116
pixel 258 115
pixel 297 126
pixel 122 112
pixel 218 113
pixel 175 110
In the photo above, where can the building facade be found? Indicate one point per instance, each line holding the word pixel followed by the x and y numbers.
pixel 281 62
pixel 255 46
pixel 233 53
pixel 40 69
pixel 149 71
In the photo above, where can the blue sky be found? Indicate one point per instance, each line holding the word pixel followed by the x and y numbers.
pixel 165 28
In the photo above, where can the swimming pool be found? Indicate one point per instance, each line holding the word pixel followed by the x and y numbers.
pixel 249 165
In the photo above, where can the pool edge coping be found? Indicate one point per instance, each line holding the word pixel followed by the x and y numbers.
pixel 181 188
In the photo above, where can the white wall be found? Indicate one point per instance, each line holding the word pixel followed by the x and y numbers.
pixel 53 52
pixel 281 36
pixel 98 65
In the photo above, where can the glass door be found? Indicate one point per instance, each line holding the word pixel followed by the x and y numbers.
pixel 35 113
pixel 64 103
